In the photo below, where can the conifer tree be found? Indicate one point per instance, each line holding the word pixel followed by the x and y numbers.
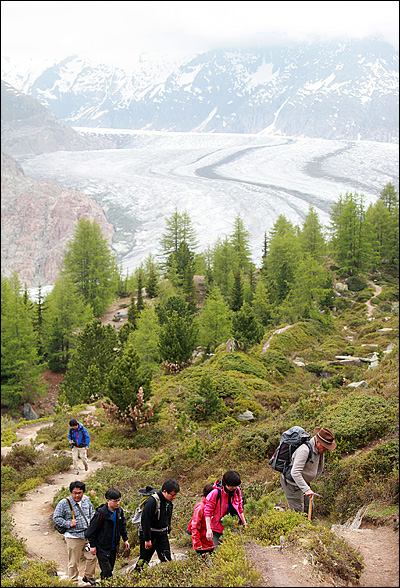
pixel 152 280
pixel 91 265
pixel 67 312
pixel 215 320
pixel 39 310
pixel 122 380
pixel 261 304
pixel 245 326
pixel 222 263
pixel 240 244
pixel 282 259
pixel 146 338
pixel 311 238
pixel 179 229
pixel 177 340
pixel 97 345
pixel 139 301
pixel 189 289
pixel 389 196
pixel 237 293
pixel 352 235
pixel 20 364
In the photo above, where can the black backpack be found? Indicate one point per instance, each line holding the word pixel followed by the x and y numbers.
pixel 290 441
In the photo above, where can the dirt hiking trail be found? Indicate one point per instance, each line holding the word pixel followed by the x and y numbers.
pixel 278 567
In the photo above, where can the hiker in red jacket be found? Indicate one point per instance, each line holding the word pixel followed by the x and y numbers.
pixel 225 498
pixel 197 526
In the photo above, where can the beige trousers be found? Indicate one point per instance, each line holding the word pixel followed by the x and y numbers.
pixel 76 548
pixel 79 452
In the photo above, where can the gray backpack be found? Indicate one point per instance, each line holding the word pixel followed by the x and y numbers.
pixel 290 441
pixel 147 492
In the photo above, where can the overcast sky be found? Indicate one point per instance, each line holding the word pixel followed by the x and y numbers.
pixel 114 32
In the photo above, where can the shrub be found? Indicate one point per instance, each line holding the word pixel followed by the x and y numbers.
pixel 35 575
pixel 336 556
pixel 28 485
pixel 277 364
pixel 268 527
pixel 356 283
pixel 240 362
pixel 20 457
pixel 356 420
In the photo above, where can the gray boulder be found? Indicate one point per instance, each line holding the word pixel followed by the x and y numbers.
pixel 29 413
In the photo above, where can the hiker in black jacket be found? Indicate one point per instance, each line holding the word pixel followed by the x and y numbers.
pixel 155 525
pixel 105 530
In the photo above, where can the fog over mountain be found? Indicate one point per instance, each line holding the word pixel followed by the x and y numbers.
pixel 337 90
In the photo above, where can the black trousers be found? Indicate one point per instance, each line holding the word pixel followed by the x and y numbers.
pixel 106 561
pixel 159 543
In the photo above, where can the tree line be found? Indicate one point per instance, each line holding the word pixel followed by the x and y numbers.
pixel 62 331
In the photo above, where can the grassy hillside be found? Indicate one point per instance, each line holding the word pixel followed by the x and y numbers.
pixel 292 377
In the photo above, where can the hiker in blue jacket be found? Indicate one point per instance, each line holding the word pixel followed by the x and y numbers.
pixel 155 525
pixel 79 439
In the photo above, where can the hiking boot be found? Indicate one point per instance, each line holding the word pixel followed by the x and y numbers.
pixel 91 581
pixel 86 467
pixel 77 472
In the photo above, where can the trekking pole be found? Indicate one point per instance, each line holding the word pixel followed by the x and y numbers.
pixel 310 507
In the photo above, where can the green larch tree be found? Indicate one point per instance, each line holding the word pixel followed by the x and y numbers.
pixel 311 237
pixel 67 312
pixel 240 244
pixel 91 265
pixel 215 320
pixel 20 364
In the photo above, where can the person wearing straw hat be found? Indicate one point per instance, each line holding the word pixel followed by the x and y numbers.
pixel 303 471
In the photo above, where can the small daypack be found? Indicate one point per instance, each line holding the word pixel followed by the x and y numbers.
pixel 147 492
pixel 58 527
pixel 290 441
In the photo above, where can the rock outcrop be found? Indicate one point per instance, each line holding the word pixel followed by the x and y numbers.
pixel 37 221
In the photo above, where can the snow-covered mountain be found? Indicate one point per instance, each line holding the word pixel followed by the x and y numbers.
pixel 338 90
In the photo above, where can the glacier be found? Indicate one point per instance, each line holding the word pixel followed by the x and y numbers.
pixel 214 177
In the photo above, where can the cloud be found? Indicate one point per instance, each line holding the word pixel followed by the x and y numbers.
pixel 116 31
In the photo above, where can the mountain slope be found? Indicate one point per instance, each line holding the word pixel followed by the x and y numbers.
pixel 346 90
pixel 29 127
pixel 37 221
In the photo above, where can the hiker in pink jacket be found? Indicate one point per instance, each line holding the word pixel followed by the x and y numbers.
pixel 197 526
pixel 225 498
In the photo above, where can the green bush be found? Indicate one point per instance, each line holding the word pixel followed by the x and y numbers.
pixel 382 460
pixel 243 363
pixel 35 574
pixel 357 420
pixel 277 364
pixel 20 457
pixel 356 283
pixel 268 527
pixel 28 485
pixel 258 443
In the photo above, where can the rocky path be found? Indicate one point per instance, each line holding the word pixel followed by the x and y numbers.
pixel 33 515
pixel 278 567
pixel 370 307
